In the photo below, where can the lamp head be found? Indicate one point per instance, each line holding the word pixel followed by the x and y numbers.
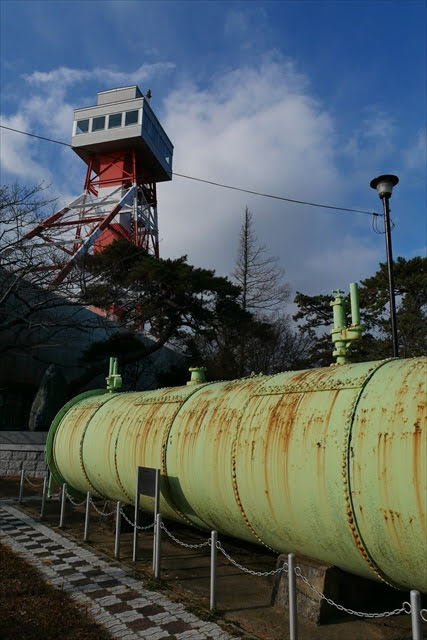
pixel 384 185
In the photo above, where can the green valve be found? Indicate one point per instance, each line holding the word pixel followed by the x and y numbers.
pixel 114 379
pixel 197 375
pixel 343 335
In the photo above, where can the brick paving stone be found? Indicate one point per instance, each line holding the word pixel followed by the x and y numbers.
pixel 82 582
pixel 104 578
pixel 92 573
pixel 99 593
pixel 192 633
pixel 154 634
pixel 66 572
pixel 118 607
pixel 176 627
pixel 118 591
pixel 127 613
pixel 138 602
pixel 107 600
pixel 140 624
pixel 130 594
pixel 53 547
pixel 32 546
pixel 158 635
pixel 107 584
pixel 150 610
pixel 115 599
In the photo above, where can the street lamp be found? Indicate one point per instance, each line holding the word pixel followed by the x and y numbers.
pixel 384 186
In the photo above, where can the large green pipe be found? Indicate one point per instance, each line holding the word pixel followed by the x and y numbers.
pixel 328 463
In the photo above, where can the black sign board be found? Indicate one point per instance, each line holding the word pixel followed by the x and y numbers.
pixel 147 484
pixel 147 481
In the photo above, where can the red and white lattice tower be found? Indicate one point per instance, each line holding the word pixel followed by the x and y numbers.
pixel 127 152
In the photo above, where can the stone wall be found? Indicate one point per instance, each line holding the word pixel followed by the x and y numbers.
pixel 15 456
pixel 22 448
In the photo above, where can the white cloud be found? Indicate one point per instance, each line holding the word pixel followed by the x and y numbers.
pixel 247 24
pixel 372 140
pixel 348 262
pixel 415 155
pixel 259 129
pixel 254 127
pixel 66 76
pixel 17 155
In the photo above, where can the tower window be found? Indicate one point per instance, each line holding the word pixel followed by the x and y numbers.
pixel 82 126
pixel 131 117
pixel 98 123
pixel 115 120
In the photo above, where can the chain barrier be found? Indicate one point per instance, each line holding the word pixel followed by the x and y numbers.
pixel 132 524
pixel 36 485
pixel 184 544
pixel 102 513
pixel 283 568
pixel 405 608
pixel 75 504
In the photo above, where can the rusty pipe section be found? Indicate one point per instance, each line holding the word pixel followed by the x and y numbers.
pixel 327 463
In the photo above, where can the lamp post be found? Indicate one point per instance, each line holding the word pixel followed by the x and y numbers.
pixel 384 186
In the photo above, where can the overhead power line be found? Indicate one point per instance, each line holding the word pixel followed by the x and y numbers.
pixel 33 135
pixel 269 195
pixel 219 184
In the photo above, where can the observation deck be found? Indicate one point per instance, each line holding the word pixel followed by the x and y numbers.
pixel 123 119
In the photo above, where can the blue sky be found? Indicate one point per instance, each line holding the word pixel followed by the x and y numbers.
pixel 309 100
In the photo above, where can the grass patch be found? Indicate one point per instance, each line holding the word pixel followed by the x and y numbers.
pixel 152 584
pixel 31 609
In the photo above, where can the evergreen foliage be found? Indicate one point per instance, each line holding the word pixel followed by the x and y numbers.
pixel 315 316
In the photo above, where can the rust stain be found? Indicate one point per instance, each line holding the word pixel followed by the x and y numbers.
pixel 273 451
pixel 291 404
pixel 395 530
pixel 250 398
pixel 418 480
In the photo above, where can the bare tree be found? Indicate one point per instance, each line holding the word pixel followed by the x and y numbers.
pixel 259 275
pixel 264 294
pixel 34 320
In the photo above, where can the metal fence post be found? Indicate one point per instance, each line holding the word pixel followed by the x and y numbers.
pixel 49 485
pixel 43 497
pixel 21 486
pixel 158 545
pixel 154 543
pixel 212 600
pixel 292 595
pixel 118 530
pixel 86 531
pixel 415 615
pixel 156 511
pixel 63 499
pixel 136 522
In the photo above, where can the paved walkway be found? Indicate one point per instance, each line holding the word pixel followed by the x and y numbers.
pixel 117 601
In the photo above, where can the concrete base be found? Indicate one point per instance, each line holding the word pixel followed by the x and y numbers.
pixel 353 592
